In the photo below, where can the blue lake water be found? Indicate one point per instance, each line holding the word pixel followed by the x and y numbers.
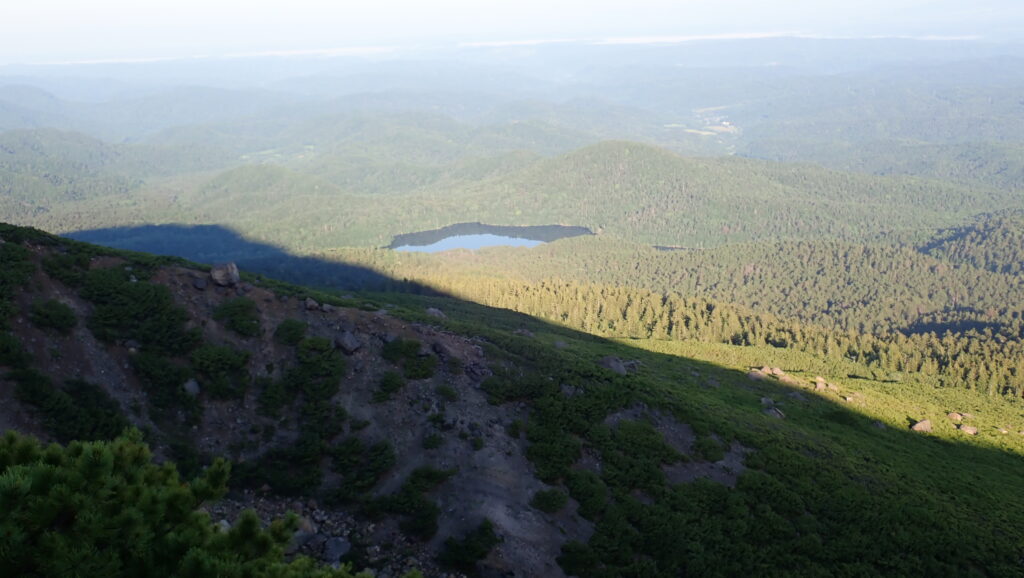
pixel 470 242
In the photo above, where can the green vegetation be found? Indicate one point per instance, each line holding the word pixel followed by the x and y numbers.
pixel 52 314
pixel 222 371
pixel 407 353
pixel 360 465
pixel 549 501
pixel 290 332
pixel 239 315
pixel 410 501
pixel 76 411
pixel 390 383
pixel 104 509
pixel 463 554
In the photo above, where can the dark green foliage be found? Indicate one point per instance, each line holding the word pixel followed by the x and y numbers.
pixel 12 353
pixel 164 380
pixel 104 509
pixel 550 500
pixel 463 554
pixel 221 370
pixel 138 310
pixel 709 449
pixel 406 353
pixel 52 314
pixel 420 514
pixel 391 382
pixel 69 268
pixel 320 368
pixel 239 315
pixel 360 465
pixel 587 489
pixel 290 331
pixel 77 411
pixel 447 392
pixel 16 267
pixel 290 471
pixel 433 441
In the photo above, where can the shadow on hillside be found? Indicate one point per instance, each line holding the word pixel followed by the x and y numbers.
pixel 213 244
pixel 934 474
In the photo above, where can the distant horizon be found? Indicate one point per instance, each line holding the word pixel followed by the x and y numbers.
pixel 64 31
pixel 397 50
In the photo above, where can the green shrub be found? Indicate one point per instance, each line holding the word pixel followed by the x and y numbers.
pixel 465 553
pixel 68 268
pixel 709 449
pixel 361 466
pixel 587 489
pixel 433 441
pixel 12 353
pixel 52 314
pixel 390 383
pixel 290 332
pixel 447 393
pixel 141 311
pixel 420 514
pixel 163 381
pixel 406 353
pixel 239 315
pixel 549 501
pixel 78 411
pixel 222 370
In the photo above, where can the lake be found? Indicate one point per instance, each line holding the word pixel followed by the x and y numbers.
pixel 477 236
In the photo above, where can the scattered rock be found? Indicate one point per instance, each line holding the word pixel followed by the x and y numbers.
pixel 561 344
pixel 199 283
pixel 777 372
pixel 774 412
pixel 820 386
pixel 955 416
pixel 797 396
pixel 968 429
pixel 756 375
pixel 326 307
pixel 613 363
pixel 225 274
pixel 523 332
pixel 311 304
pixel 335 549
pixel 878 424
pixel 191 387
pixel 767 402
pixel 223 526
pixel 435 312
pixel 348 342
pixel 442 350
pixel 922 426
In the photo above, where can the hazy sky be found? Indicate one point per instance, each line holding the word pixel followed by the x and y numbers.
pixel 77 30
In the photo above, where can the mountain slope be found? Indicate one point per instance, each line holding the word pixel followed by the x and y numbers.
pixel 679 463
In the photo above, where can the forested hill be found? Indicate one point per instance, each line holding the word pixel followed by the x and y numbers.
pixel 435 432
pixel 993 242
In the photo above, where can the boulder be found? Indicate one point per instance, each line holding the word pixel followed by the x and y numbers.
pixel 435 312
pixel 922 426
pixel 348 342
pixel 326 307
pixel 335 549
pixel 192 388
pixel 767 402
pixel 878 424
pixel 199 283
pixel 561 344
pixel 225 274
pixel 311 304
pixel 774 412
pixel 955 416
pixel 777 372
pixel 613 363
pixel 442 350
pixel 969 430
pixel 523 332
pixel 820 386
pixel 756 375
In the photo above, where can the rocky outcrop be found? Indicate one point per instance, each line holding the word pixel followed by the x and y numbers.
pixel 923 426
pixel 225 274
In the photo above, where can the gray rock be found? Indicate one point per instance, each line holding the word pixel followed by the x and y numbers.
pixel 523 332
pixel 442 350
pixel 199 283
pixel 348 342
pixel 774 412
pixel 327 307
pixel 334 549
pixel 561 344
pixel 192 387
pixel 767 402
pixel 969 430
pixel 225 274
pixel 223 526
pixel 878 424
pixel 311 304
pixel 756 375
pixel 924 426
pixel 613 363
pixel 435 312
pixel 955 416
